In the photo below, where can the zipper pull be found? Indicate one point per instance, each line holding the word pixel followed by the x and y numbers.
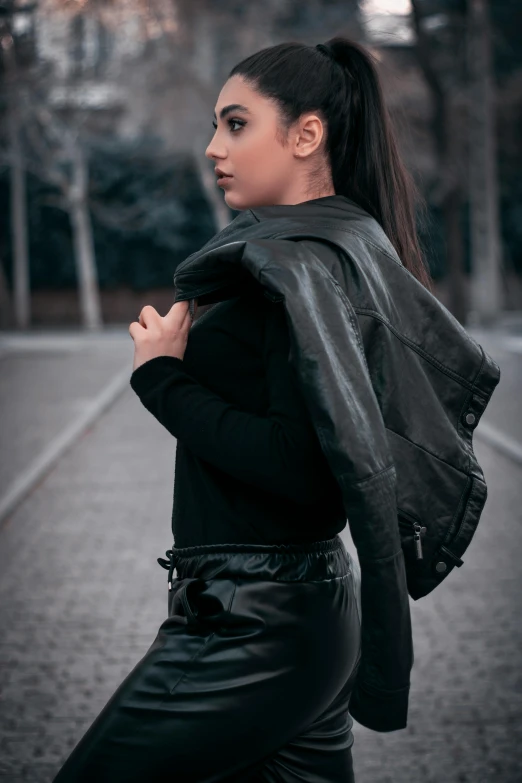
pixel 417 540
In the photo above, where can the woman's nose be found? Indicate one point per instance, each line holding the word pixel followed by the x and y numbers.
pixel 213 153
pixel 210 153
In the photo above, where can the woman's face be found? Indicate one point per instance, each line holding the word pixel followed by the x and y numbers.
pixel 246 146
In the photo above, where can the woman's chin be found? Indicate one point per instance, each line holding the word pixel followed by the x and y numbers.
pixel 233 202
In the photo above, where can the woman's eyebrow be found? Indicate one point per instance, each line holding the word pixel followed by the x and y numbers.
pixel 231 107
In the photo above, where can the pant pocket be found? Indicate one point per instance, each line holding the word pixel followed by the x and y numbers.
pixel 201 604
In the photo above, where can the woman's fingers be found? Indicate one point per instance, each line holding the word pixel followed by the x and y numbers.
pixel 179 314
pixel 148 315
pixel 177 318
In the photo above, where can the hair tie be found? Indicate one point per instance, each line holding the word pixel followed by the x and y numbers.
pixel 326 50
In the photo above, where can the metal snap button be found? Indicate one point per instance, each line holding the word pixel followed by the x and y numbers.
pixel 470 418
pixel 441 566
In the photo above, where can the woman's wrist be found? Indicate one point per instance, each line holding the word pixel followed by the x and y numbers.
pixel 153 371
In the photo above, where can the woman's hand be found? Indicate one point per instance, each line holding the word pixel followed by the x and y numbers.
pixel 155 335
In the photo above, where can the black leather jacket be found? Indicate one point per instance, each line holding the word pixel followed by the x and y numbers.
pixel 394 386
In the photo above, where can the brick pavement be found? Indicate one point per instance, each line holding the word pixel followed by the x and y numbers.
pixel 81 594
pixel 81 597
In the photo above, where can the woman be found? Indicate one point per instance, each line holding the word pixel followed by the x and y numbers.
pixel 250 675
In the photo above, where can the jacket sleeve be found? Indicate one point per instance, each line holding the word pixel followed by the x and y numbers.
pixel 279 452
pixel 331 364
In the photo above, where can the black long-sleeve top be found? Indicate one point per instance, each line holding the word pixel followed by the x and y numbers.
pixel 249 465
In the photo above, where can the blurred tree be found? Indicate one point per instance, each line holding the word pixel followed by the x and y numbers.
pixel 486 293
pixel 440 36
pixel 476 97
pixel 41 141
pixel 15 64
pixel 58 155
pixel 506 23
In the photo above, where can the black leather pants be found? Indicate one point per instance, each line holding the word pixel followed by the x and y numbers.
pixel 248 678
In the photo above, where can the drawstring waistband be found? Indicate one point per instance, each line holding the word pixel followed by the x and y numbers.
pixel 308 560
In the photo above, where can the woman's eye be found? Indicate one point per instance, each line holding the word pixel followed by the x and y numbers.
pixel 231 121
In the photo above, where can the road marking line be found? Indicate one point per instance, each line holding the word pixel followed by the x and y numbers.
pixel 23 485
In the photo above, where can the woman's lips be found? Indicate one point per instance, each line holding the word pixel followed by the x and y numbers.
pixel 223 179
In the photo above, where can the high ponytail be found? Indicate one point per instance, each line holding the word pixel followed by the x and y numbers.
pixel 340 80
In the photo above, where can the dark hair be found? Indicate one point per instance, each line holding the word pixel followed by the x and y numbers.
pixel 361 145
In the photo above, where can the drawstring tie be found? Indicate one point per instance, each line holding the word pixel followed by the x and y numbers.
pixel 169 564
pixel 183 611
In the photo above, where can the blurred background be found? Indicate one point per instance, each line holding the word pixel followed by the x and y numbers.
pixel 106 109
pixel 105 113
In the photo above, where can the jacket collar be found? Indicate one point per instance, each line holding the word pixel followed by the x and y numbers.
pixel 205 275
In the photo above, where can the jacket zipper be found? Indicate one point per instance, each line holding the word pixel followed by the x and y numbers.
pixel 418 530
pixel 417 540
